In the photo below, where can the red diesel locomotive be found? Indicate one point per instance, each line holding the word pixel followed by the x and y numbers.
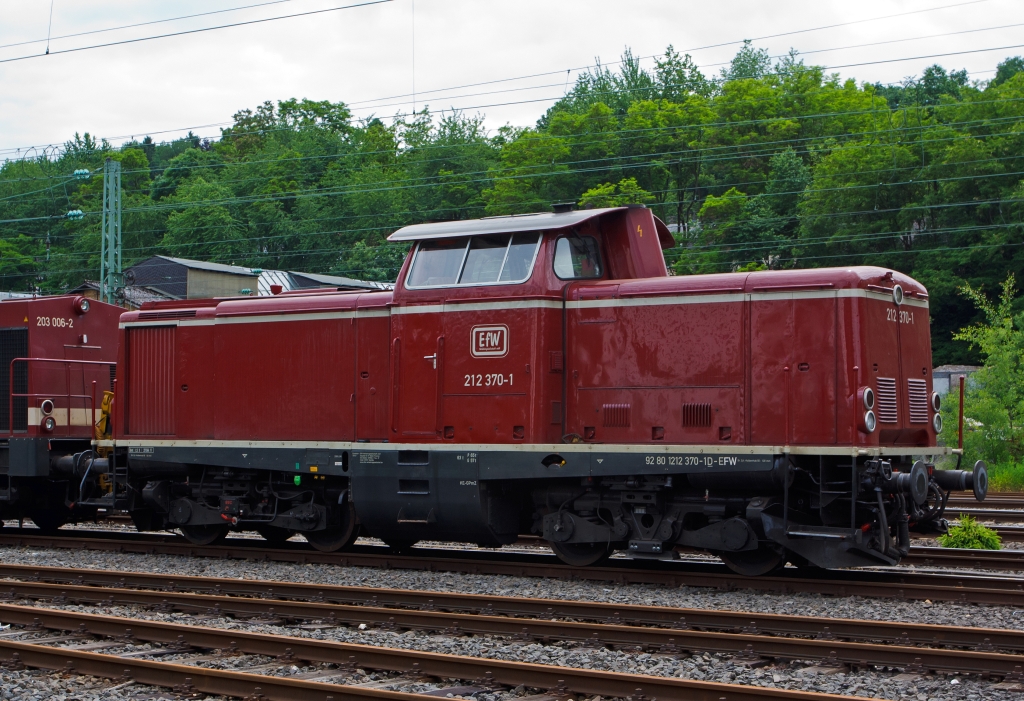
pixel 544 374
pixel 57 364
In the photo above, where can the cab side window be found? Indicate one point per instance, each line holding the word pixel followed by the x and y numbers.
pixel 478 260
pixel 577 257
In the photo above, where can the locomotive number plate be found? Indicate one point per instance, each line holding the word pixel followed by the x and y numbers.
pixel 491 379
pixel 901 316
pixel 56 322
pixel 692 460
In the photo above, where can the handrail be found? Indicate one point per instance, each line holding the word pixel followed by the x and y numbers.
pixel 89 401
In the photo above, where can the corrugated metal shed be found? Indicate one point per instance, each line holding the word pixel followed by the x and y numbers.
pixel 212 267
pixel 292 280
pixel 170 276
pixel 315 280
pixel 274 277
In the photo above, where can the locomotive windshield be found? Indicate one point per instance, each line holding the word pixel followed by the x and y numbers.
pixel 475 260
pixel 577 257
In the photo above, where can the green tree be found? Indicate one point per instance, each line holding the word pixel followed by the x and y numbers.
pixel 748 63
pixel 994 401
pixel 624 192
pixel 202 209
pixel 1007 69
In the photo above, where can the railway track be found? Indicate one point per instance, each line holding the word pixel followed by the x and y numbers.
pixel 195 643
pixel 1006 560
pixel 1002 500
pixel 857 643
pixel 1000 515
pixel 902 583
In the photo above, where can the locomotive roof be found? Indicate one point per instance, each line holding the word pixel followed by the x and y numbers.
pixel 510 224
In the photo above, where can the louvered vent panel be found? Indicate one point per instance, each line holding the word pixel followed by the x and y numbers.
pixel 696 415
pixel 150 391
pixel 887 400
pixel 917 394
pixel 616 415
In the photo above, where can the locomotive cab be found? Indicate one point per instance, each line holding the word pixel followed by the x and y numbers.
pixel 57 362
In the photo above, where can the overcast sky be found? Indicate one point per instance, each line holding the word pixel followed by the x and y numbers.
pixel 166 86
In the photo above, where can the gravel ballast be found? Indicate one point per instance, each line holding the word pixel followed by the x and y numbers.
pixel 877 683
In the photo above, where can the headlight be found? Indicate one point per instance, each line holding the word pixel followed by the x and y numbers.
pixel 937 423
pixel 936 401
pixel 869 421
pixel 48 424
pixel 867 398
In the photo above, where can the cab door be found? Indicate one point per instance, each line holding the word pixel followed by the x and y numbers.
pixel 373 334
pixel 418 352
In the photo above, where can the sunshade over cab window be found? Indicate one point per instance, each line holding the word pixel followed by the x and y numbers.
pixel 475 260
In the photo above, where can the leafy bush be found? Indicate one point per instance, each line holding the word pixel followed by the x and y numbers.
pixel 972 535
pixel 1006 477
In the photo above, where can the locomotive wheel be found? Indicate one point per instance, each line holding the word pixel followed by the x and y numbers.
pixel 336 537
pixel 274 534
pixel 581 554
pixel 204 535
pixel 754 563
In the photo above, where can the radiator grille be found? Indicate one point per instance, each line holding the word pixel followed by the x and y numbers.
pixel 616 415
pixel 696 415
pixel 150 390
pixel 917 395
pixel 887 400
pixel 13 344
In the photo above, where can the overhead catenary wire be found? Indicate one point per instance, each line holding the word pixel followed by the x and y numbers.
pixel 734 42
pixel 847 256
pixel 137 24
pixel 722 185
pixel 796 243
pixel 692 248
pixel 625 134
pixel 801 240
pixel 693 49
pixel 264 130
pixel 183 32
pixel 702 152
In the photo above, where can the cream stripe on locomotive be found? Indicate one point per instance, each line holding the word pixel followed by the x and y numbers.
pixel 698 298
pixel 262 318
pixel 539 448
pixel 79 417
pixel 451 307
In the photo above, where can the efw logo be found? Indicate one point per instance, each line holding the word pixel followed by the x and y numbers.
pixel 489 341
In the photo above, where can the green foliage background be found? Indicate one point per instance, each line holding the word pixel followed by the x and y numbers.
pixel 767 165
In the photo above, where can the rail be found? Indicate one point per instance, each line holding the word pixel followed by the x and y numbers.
pixel 995 588
pixel 90 402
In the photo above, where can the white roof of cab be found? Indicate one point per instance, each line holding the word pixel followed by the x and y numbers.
pixel 497 225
